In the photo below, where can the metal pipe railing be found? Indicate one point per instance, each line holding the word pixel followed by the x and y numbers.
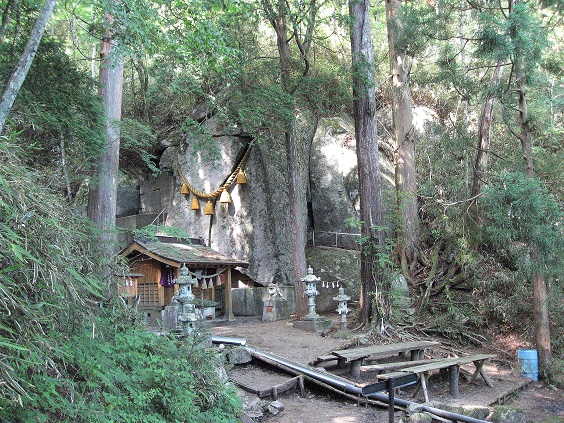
pixel 228 340
pixel 350 388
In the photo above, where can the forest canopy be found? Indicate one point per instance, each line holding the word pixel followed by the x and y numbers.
pixel 478 226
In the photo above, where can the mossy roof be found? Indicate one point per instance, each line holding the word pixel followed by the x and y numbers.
pixel 176 252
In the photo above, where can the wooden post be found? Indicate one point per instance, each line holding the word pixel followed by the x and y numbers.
pixel 160 289
pixel 391 397
pixel 229 298
pixel 453 373
pixel 424 377
pixel 355 368
pixel 301 385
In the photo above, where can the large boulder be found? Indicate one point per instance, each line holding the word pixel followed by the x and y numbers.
pixel 334 179
pixel 255 226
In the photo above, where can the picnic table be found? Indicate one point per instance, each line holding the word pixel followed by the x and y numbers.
pixel 356 356
pixel 452 364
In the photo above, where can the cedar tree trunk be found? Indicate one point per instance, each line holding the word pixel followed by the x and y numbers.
pixel 371 205
pixel 404 155
pixel 103 192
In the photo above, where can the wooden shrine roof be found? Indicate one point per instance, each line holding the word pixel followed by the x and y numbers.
pixel 175 252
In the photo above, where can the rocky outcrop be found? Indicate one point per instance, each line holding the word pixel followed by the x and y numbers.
pixel 255 225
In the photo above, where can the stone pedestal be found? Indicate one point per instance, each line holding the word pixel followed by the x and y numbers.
pixel 317 325
pixel 275 309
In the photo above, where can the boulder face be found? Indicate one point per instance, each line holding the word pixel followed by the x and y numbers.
pixel 333 179
pixel 255 225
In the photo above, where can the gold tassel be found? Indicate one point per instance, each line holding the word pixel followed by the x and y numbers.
pixel 225 197
pixel 209 208
pixel 195 204
pixel 241 177
pixel 185 190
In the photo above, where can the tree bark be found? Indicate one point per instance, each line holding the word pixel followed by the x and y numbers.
pixel 20 72
pixel 542 322
pixel 371 204
pixel 484 134
pixel 404 157
pixel 103 192
pixel 525 130
pixel 297 200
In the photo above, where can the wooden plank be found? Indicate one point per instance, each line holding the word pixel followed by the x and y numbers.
pixel 386 376
pixel 383 350
pixel 475 357
pixel 323 359
pixel 397 364
pixel 281 388
pixel 447 362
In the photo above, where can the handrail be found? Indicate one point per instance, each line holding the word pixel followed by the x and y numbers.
pixel 337 235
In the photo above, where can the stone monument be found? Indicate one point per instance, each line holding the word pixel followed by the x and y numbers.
pixel 275 306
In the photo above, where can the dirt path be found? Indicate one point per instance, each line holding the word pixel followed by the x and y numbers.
pixel 282 339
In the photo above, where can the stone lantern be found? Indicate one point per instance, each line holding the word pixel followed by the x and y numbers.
pixel 311 292
pixel 312 321
pixel 187 317
pixel 342 309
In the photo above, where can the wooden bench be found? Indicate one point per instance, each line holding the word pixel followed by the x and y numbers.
pixel 453 366
pixel 356 356
pixel 395 365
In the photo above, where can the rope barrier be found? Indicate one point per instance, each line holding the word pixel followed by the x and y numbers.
pixel 217 192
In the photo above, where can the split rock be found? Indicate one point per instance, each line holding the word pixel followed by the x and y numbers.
pixel 239 356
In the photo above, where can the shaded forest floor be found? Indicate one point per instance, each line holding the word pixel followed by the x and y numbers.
pixel 539 402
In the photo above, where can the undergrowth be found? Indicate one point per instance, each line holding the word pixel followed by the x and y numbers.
pixel 69 352
pixel 118 373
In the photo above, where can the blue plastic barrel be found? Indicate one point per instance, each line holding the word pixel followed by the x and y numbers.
pixel 529 363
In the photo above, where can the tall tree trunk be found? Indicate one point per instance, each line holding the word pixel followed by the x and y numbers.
pixel 20 72
pixel 525 130
pixel 540 295
pixel 103 192
pixel 404 157
pixel 371 204
pixel 484 133
pixel 297 199
pixel 542 322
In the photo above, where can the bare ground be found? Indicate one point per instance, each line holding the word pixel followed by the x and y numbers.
pixel 539 402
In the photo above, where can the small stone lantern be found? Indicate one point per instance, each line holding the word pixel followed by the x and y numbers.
pixel 342 309
pixel 311 292
pixel 187 317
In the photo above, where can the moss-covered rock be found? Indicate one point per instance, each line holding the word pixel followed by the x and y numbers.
pixel 507 414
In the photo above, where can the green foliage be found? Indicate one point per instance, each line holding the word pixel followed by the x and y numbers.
pixel 417 26
pixel 58 113
pixel 128 375
pixel 524 217
pixel 264 109
pixel 137 140
pixel 47 265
